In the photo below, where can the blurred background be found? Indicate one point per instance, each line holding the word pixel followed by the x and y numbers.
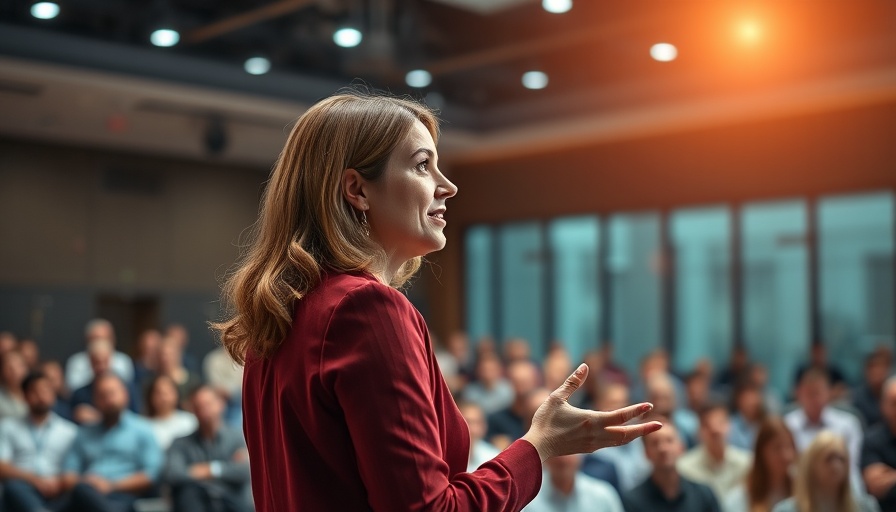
pixel 692 176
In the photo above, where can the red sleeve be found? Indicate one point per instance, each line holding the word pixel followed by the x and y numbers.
pixel 375 363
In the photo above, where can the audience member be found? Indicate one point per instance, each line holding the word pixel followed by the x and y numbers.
pixel 226 377
pixel 879 451
pixel 480 449
pixel 490 390
pixel 867 397
pixel 629 461
pixel 112 462
pixel 611 371
pixel 749 412
pixel 12 373
pixel 735 372
pixel 209 469
pixel 78 372
pixel 170 362
pixel 167 421
pixel 30 353
pixel 8 341
pixel 101 356
pixel 714 462
pixel 697 390
pixel 823 480
pixel 769 480
pixel 516 349
pixel 510 423
pixel 32 449
pixel 665 490
pixel 757 375
pixel 818 359
pixel 661 393
pixel 53 370
pixel 181 337
pixel 565 489
pixel 454 361
pixel 657 363
pixel 145 356
pixel 814 415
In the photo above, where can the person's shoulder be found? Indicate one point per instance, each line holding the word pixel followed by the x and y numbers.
pixel 702 490
pixel 595 487
pixel 787 505
pixel 867 503
pixel 878 434
pixel 63 425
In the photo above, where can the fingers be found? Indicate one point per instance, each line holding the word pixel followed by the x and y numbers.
pixel 573 382
pixel 624 434
pixel 626 414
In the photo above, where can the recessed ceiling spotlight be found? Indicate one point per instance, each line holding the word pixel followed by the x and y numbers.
pixel 418 78
pixel 347 37
pixel 663 52
pixel 557 6
pixel 165 37
pixel 257 65
pixel 535 80
pixel 45 10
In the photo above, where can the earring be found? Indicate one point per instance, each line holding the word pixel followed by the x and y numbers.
pixel 365 227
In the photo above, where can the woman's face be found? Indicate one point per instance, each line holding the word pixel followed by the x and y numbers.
pixel 407 204
pixel 830 470
pixel 164 396
pixel 779 454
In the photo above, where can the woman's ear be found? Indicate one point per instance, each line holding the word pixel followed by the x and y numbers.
pixel 353 185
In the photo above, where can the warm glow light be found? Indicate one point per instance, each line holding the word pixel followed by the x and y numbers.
pixel 663 52
pixel 165 37
pixel 45 10
pixel 535 80
pixel 556 6
pixel 347 37
pixel 257 66
pixel 418 78
pixel 749 31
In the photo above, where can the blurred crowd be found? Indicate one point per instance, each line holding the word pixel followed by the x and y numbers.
pixel 106 431
pixel 159 430
pixel 729 442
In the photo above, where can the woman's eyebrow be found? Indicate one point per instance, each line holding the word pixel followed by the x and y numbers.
pixel 423 150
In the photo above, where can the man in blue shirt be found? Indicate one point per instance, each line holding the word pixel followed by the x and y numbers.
pixel 32 449
pixel 115 461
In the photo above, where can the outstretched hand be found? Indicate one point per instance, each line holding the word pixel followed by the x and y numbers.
pixel 561 429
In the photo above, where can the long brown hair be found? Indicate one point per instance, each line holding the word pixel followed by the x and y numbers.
pixel 305 226
pixel 758 481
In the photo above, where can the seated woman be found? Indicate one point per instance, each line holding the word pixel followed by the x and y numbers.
pixel 822 481
pixel 770 479
pixel 167 421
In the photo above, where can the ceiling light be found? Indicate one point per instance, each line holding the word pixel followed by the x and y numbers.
pixel 45 10
pixel 257 65
pixel 557 6
pixel 165 37
pixel 535 80
pixel 750 31
pixel 663 52
pixel 418 78
pixel 347 37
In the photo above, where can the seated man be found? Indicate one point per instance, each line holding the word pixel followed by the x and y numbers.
pixel 879 451
pixel 32 448
pixel 665 490
pixel 100 353
pixel 714 462
pixel 115 461
pixel 209 469
pixel 565 488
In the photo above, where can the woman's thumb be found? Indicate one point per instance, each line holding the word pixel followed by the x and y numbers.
pixel 572 383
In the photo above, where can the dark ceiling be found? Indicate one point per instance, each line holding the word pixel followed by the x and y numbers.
pixel 596 55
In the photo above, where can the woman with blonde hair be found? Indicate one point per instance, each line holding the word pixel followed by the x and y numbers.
pixel 822 480
pixel 770 479
pixel 344 405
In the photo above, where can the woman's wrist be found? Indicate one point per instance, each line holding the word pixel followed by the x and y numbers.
pixel 539 444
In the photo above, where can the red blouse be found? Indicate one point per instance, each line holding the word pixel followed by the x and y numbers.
pixel 351 413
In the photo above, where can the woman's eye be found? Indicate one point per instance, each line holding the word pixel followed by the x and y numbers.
pixel 423 166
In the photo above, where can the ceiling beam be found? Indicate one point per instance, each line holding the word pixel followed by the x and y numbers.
pixel 248 18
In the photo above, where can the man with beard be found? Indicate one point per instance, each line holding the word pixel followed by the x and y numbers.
pixel 32 449
pixel 115 461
